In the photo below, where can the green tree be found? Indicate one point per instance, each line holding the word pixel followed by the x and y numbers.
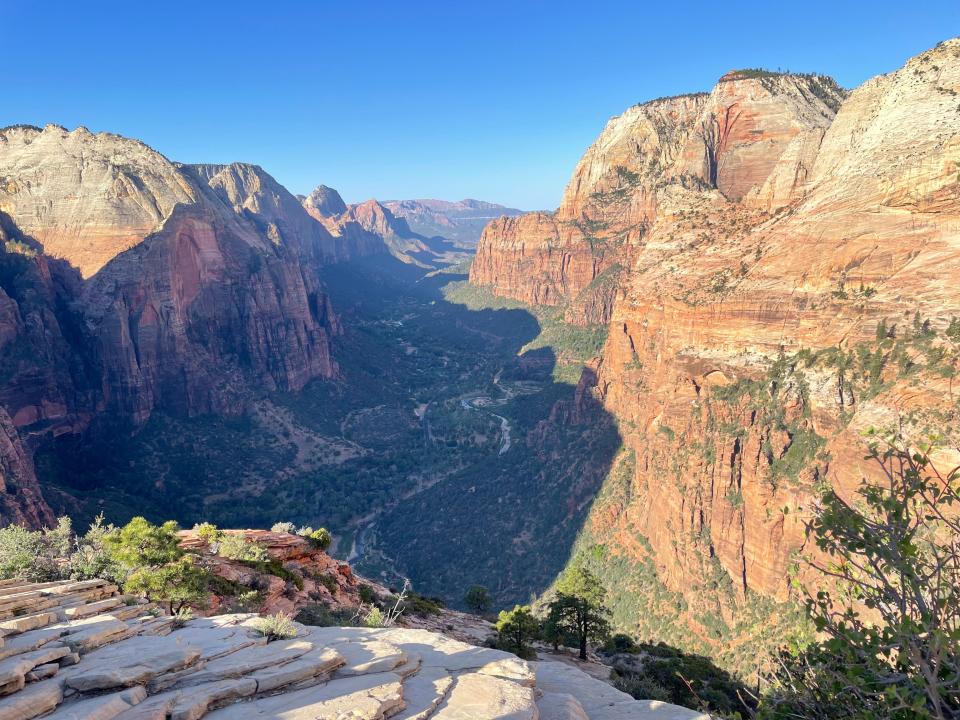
pixel 478 599
pixel 891 619
pixel 155 566
pixel 515 628
pixel 578 607
pixel 91 557
pixel 35 555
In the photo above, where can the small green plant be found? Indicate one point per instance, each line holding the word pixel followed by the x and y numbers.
pixel 208 532
pixel 278 626
pixel 237 547
pixel 374 618
pixel 478 599
pixel 320 538
pixel 284 527
pixel 515 629
pixel 181 617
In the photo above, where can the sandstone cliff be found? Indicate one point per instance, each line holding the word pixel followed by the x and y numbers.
pixel 130 283
pixel 787 281
pixel 727 141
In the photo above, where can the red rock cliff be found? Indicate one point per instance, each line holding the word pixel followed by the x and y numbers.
pixel 729 140
pixel 131 283
pixel 792 283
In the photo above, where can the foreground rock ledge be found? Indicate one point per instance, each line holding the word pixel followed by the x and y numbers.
pixel 83 651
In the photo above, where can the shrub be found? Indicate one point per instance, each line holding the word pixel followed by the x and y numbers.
pixel 641 687
pixel 515 629
pixel 322 616
pixel 237 547
pixel 367 594
pixel 91 557
pixel 208 532
pixel 284 527
pixel 35 555
pixel 374 618
pixel 894 552
pixel 478 599
pixel 275 627
pixel 328 581
pixel 320 538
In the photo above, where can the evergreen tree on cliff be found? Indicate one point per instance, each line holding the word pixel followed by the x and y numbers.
pixel 579 607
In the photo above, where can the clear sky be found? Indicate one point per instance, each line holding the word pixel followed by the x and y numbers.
pixel 487 99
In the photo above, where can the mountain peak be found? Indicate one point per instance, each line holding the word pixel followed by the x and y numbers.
pixel 325 201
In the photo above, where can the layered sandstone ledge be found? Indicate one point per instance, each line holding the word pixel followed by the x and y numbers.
pixel 80 650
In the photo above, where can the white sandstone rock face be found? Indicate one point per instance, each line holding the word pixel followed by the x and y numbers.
pixel 96 655
pixel 86 198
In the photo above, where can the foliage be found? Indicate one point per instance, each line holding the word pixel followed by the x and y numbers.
pixel 322 616
pixel 478 599
pixel 677 677
pixel 275 627
pixel 208 532
pixel 236 547
pixel 35 555
pixel 155 566
pixel 891 626
pixel 366 594
pixel 579 607
pixel 91 557
pixel 284 527
pixel 320 538
pixel 374 618
pixel 515 629
pixel 179 583
pixel 181 617
pixel 141 544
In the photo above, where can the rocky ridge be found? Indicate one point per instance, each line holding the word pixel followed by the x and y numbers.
pixel 722 144
pixel 783 256
pixel 461 221
pixel 81 650
pixel 130 283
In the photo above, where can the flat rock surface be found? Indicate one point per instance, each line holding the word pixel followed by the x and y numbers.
pixel 111 658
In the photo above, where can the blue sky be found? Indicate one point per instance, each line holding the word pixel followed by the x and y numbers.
pixel 492 100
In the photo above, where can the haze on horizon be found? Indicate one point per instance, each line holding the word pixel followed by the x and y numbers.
pixel 494 100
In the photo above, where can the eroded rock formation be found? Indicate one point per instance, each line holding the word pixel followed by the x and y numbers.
pixel 787 264
pixel 727 141
pixel 131 283
pixel 83 650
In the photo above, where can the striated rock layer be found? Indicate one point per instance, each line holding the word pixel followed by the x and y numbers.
pixel 728 140
pixel 788 281
pixel 87 652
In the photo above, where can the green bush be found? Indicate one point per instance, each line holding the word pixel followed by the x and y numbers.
pixel 322 616
pixel 237 547
pixel 516 629
pixel 275 627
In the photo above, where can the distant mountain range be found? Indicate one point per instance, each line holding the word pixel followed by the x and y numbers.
pixel 462 221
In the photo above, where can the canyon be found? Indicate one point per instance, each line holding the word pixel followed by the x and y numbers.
pixel 773 261
pixel 656 379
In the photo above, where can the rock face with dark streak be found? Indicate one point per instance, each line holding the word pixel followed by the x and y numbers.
pixel 728 140
pixel 131 283
pixel 787 281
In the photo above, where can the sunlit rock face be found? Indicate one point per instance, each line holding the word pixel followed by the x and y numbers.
pixel 776 215
pixel 729 141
